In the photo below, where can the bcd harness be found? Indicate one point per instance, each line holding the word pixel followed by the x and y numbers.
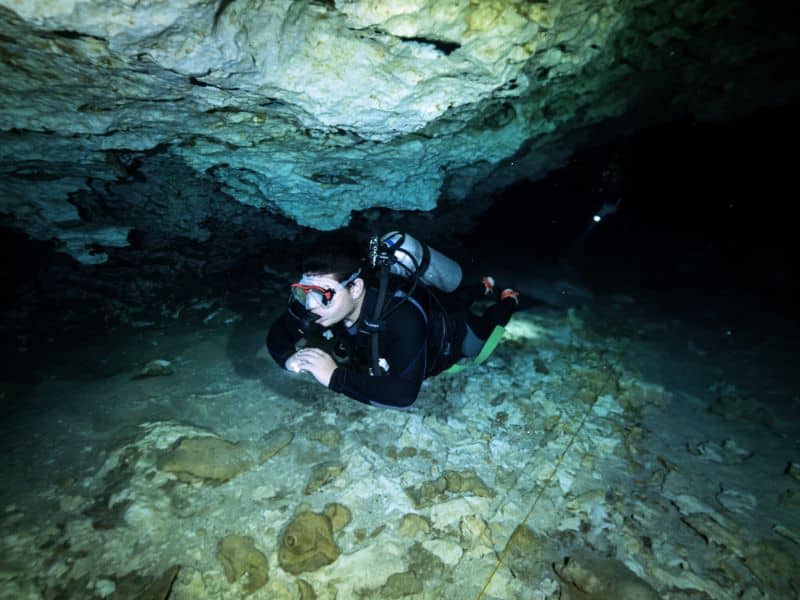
pixel 381 258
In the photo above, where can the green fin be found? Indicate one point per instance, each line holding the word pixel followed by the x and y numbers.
pixel 487 349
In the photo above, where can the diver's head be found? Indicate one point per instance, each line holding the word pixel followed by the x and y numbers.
pixel 332 286
pixel 329 299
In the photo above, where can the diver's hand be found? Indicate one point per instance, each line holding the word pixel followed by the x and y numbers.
pixel 315 361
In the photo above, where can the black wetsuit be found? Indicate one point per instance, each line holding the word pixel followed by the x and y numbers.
pixel 416 341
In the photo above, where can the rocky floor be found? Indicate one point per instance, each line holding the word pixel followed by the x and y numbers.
pixel 611 450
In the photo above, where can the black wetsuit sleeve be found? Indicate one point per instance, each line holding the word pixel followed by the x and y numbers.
pixel 282 337
pixel 403 345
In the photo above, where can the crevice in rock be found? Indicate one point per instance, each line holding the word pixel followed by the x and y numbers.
pixel 443 46
pixel 75 35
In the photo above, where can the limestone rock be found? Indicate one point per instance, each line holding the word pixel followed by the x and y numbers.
pixel 315 110
pixel 775 567
pixel 339 515
pixel 465 483
pixel 589 577
pixel 412 524
pixel 688 583
pixel 205 457
pixel 307 544
pixel 476 535
pixel 305 590
pixel 401 584
pixel 134 585
pixel 321 475
pixel 274 442
pixel 239 557
pixel 732 404
pixel 328 437
pixel 787 533
pixel 713 530
pixel 636 394
pixel 155 368
pixel 525 552
pixel 447 551
pixel 729 452
pixel 737 501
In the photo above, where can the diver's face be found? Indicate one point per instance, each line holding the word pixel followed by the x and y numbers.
pixel 344 305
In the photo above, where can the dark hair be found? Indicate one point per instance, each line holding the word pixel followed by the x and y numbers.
pixel 339 258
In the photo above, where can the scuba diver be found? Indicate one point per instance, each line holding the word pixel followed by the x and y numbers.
pixel 374 329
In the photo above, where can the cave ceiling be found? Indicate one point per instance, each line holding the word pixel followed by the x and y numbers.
pixel 125 120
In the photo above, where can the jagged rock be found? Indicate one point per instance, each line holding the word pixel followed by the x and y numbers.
pixel 134 105
pixel 307 544
pixel 239 558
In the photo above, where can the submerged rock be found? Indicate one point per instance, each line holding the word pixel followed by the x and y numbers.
pixel 321 475
pixel 339 515
pixel 136 585
pixel 729 452
pixel 205 457
pixel 465 483
pixel 307 544
pixel 305 590
pixel 330 437
pixel 412 524
pixel 737 501
pixel 275 441
pixel 591 577
pixel 155 368
pixel 239 557
pixel 401 584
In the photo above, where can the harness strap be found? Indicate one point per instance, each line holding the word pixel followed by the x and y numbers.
pixel 401 294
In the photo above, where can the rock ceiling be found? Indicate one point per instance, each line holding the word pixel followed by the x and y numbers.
pixel 122 118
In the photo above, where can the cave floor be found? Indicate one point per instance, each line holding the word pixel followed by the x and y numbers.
pixel 613 449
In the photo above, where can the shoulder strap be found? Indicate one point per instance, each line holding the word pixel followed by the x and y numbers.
pixel 414 301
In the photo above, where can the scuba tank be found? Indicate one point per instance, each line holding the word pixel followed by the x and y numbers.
pixel 409 258
pixel 403 255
